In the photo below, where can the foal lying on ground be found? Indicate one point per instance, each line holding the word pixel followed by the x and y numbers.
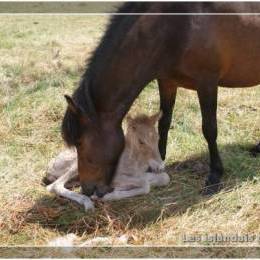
pixel 131 178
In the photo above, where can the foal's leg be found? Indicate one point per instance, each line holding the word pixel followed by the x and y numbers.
pixel 122 194
pixel 168 90
pixel 158 179
pixel 58 188
pixel 207 93
pixel 152 179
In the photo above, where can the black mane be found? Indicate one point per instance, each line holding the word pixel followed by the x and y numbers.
pixel 115 33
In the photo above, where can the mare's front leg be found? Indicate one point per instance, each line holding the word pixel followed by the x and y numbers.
pixel 207 93
pixel 58 187
pixel 168 90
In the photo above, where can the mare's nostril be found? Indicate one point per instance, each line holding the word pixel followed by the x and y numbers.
pixel 103 190
pixel 88 188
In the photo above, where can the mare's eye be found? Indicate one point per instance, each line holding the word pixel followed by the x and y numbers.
pixel 77 144
pixel 90 161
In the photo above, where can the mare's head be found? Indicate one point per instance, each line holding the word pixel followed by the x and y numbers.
pixel 99 141
pixel 143 136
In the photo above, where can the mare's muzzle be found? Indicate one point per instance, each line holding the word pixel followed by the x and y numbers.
pixel 90 188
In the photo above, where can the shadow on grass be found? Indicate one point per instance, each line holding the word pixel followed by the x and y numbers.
pixel 187 179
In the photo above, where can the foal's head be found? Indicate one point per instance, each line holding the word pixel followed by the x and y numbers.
pixel 143 137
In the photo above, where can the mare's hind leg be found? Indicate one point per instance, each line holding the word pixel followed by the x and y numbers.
pixel 207 93
pixel 58 187
pixel 168 90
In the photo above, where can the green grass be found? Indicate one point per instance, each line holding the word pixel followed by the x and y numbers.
pixel 41 59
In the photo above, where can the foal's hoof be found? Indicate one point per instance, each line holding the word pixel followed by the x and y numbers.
pixel 50 187
pixel 255 150
pixel 88 206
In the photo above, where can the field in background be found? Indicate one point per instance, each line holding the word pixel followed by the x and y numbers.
pixel 41 59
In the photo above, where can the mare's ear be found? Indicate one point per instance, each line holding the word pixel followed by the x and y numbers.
pixel 76 110
pixel 72 105
pixel 156 117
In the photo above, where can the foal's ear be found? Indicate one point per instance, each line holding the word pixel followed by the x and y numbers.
pixel 76 110
pixel 156 117
pixel 130 122
pixel 129 119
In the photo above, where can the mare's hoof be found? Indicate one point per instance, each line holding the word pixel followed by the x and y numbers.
pixel 88 189
pixel 255 150
pixel 211 188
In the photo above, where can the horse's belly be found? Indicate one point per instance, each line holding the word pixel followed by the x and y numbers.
pixel 239 82
pixel 228 46
pixel 241 77
pixel 238 46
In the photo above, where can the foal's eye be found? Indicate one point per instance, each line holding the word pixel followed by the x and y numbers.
pixel 140 142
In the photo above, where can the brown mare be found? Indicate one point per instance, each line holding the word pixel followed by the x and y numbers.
pixel 199 52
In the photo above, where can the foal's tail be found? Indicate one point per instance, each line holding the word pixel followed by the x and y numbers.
pixel 45 181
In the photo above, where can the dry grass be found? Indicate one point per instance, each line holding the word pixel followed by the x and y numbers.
pixel 42 58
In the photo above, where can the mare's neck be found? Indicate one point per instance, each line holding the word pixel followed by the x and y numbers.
pixel 115 92
pixel 122 66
